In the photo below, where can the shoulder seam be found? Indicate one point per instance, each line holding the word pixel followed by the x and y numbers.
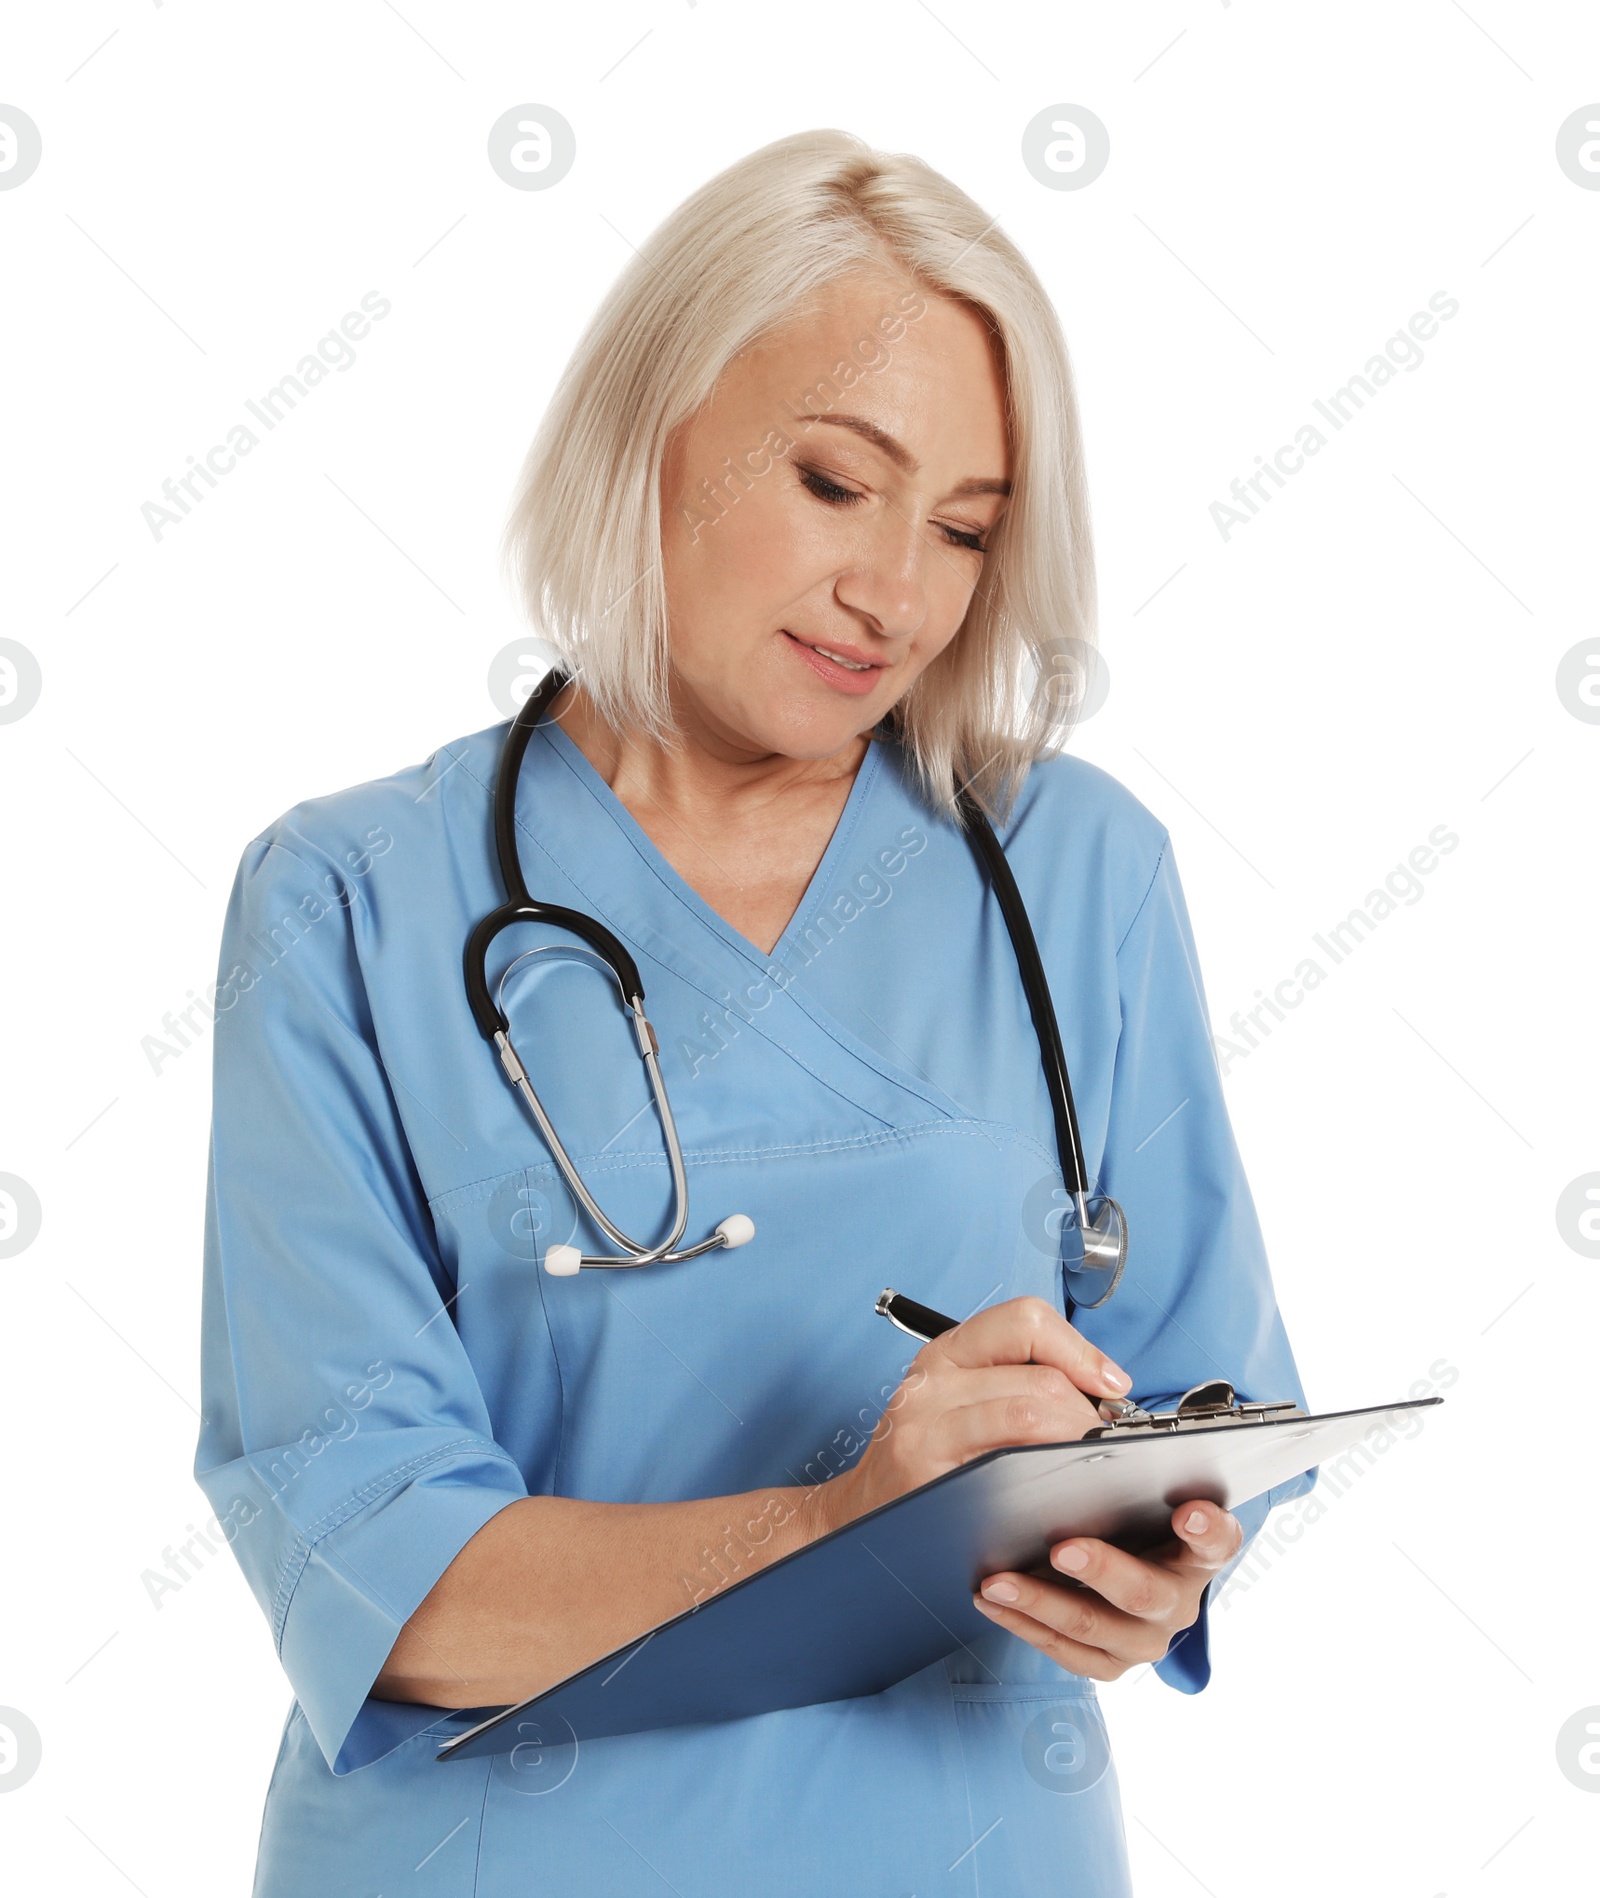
pixel 267 834
pixel 1161 857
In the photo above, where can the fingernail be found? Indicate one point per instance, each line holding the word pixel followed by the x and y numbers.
pixel 1000 1591
pixel 1071 1557
pixel 1118 1380
pixel 1195 1521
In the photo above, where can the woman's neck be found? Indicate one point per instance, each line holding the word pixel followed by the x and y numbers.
pixel 744 829
pixel 707 777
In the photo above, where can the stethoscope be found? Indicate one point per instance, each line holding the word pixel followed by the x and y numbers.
pixel 1094 1260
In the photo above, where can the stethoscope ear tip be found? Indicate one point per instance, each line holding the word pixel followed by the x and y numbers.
pixel 562 1262
pixel 738 1229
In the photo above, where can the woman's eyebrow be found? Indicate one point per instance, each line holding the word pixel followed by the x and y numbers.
pixel 900 455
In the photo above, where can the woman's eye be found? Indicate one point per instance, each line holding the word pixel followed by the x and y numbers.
pixel 817 483
pixel 826 490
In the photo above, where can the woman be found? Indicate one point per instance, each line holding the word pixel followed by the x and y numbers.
pixel 804 518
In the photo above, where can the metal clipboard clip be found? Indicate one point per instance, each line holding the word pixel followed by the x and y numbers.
pixel 1207 1406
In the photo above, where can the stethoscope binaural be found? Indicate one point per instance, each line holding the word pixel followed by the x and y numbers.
pixel 1093 1259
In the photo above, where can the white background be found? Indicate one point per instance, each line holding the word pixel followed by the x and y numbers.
pixel 1372 656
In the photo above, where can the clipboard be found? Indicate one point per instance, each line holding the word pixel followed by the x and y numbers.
pixel 890 1593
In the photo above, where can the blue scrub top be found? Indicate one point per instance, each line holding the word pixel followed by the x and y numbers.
pixel 386 1366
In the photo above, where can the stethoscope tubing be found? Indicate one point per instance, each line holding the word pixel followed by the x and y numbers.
pixel 1036 986
pixel 606 949
pixel 494 1024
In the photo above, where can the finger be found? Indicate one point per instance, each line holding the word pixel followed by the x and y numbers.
pixel 1075 1615
pixel 1077 1657
pixel 978 1383
pixel 1143 1586
pixel 1039 1384
pixel 1028 1330
pixel 964 1431
pixel 1208 1537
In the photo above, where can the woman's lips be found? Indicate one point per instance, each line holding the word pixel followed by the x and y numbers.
pixel 841 678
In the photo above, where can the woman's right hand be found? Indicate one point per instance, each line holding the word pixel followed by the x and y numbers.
pixel 1014 1373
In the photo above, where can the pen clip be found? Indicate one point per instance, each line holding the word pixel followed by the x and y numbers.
pixel 921 1322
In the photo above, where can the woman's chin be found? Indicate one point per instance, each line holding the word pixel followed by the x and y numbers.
pixel 800 728
pixel 802 725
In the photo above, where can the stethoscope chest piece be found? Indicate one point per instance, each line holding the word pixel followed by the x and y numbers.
pixel 1094 1249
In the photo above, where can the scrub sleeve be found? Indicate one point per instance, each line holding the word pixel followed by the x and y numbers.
pixel 344 1496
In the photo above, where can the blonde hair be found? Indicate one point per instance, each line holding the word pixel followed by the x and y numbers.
pixel 743 255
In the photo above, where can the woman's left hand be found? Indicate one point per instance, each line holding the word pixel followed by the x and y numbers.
pixel 1128 1607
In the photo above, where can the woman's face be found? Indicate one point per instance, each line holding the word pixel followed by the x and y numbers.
pixel 833 497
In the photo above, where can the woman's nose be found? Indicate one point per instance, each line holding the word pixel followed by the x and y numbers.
pixel 887 583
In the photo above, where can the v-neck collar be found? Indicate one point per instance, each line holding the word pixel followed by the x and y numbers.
pixel 615 879
pixel 635 833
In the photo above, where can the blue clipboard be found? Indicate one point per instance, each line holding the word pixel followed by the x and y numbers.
pixel 888 1594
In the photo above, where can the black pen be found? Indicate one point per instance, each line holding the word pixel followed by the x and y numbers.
pixel 917 1321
